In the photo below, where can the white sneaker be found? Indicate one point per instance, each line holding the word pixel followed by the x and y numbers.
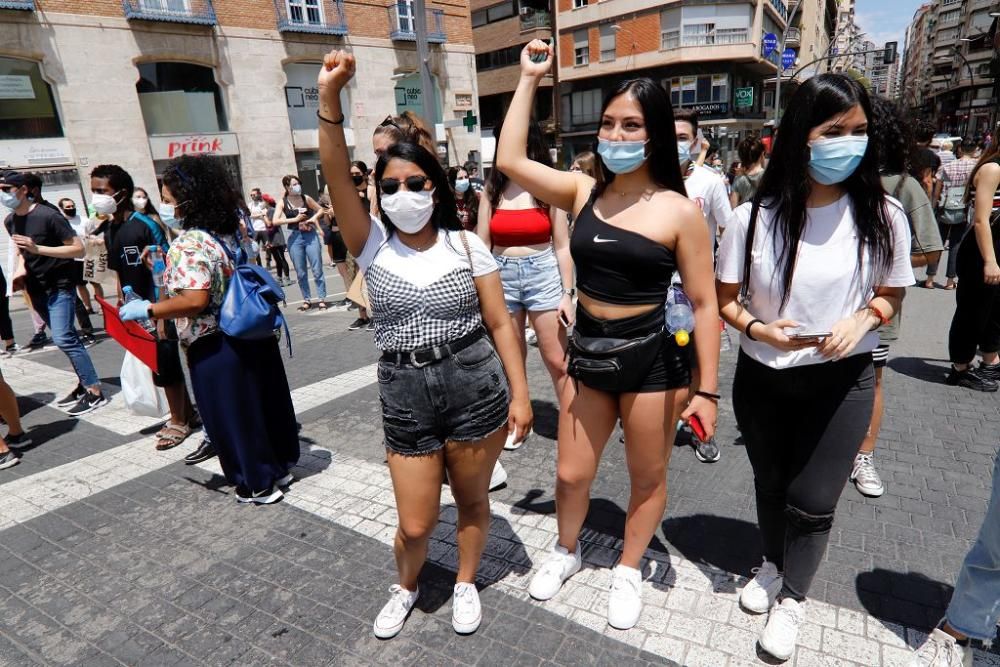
pixel 625 599
pixel 941 650
pixel 498 478
pixel 778 636
pixel 759 595
pixel 466 613
pixel 390 620
pixel 530 337
pixel 557 568
pixel 510 445
pixel 865 477
pixel 285 481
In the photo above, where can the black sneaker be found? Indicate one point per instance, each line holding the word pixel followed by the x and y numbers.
pixel 358 324
pixel 20 441
pixel 72 398
pixel 371 325
pixel 88 339
pixel 265 497
pixel 88 403
pixel 38 341
pixel 9 460
pixel 707 451
pixel 970 378
pixel 10 350
pixel 205 451
pixel 989 371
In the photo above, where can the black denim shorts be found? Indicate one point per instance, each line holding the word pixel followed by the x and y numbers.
pixel 462 398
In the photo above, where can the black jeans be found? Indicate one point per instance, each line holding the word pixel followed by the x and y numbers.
pixel 976 323
pixel 952 234
pixel 802 427
pixel 277 254
pixel 6 326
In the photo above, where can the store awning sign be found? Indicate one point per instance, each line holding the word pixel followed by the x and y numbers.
pixel 169 146
pixel 16 87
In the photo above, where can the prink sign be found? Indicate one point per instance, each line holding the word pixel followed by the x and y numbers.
pixel 169 146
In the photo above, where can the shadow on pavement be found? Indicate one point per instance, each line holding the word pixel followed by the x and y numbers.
pixel 546 419
pixel 909 598
pixel 28 404
pixel 927 370
pixel 730 545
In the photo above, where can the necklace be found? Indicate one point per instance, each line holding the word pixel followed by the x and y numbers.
pixel 637 192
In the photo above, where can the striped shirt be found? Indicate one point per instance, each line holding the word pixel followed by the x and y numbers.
pixel 954 176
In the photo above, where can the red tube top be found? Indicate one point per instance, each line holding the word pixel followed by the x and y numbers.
pixel 528 226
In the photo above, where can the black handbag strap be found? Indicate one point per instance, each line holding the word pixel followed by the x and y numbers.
pixel 748 248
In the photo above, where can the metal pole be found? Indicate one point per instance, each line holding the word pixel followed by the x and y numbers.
pixel 781 46
pixel 423 55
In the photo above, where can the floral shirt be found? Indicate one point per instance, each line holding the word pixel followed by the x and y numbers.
pixel 196 261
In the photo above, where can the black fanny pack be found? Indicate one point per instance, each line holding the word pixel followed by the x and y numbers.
pixel 614 365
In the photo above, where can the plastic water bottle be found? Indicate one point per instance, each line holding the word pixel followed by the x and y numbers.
pixel 130 296
pixel 159 265
pixel 679 316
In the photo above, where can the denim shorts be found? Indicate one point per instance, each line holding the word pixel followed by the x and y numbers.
pixel 462 398
pixel 531 283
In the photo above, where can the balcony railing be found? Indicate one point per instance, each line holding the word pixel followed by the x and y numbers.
pixel 793 37
pixel 25 5
pixel 324 17
pixel 199 12
pixel 672 39
pixel 781 8
pixel 533 19
pixel 403 25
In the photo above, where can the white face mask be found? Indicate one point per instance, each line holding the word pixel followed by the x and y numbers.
pixel 103 204
pixel 409 211
pixel 296 189
pixel 139 203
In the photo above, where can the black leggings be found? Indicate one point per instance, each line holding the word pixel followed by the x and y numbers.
pixel 802 427
pixel 277 255
pixel 976 323
pixel 6 326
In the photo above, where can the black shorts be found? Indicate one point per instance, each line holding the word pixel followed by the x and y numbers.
pixel 671 368
pixel 168 360
pixel 336 241
pixel 78 274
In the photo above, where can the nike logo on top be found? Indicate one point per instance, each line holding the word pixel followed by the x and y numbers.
pixel 598 239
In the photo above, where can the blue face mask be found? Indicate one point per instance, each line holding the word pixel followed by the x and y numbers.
pixel 834 160
pixel 167 216
pixel 461 185
pixel 10 200
pixel 683 151
pixel 622 157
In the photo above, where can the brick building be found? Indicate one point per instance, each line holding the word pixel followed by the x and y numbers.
pixel 136 82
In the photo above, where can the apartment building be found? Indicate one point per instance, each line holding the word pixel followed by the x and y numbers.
pixel 916 58
pixel 848 41
pixel 812 32
pixel 138 82
pixel 500 31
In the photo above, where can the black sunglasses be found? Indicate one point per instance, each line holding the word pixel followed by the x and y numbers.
pixel 389 121
pixel 390 186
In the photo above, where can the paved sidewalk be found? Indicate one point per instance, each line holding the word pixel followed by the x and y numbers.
pixel 112 553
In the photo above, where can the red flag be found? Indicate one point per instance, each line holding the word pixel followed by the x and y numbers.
pixel 130 335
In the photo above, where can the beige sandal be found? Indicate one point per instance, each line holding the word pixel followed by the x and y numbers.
pixel 171 435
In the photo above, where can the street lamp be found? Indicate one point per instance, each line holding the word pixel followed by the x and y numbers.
pixel 972 86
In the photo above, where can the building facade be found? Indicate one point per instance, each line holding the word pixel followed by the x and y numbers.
pixel 951 65
pixel 138 82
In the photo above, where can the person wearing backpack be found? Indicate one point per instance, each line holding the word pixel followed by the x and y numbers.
pixel 239 382
pixel 952 179
pixel 127 234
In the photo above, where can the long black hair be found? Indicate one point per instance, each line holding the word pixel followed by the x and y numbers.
pixel 893 135
pixel 206 198
pixel 445 212
pixel 664 167
pixel 784 187
pixel 537 150
pixel 470 197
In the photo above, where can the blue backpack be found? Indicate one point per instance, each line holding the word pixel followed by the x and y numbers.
pixel 250 305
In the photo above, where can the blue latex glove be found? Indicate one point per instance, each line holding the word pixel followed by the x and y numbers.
pixel 134 310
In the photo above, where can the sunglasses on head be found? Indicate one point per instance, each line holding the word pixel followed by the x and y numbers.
pixel 390 122
pixel 390 186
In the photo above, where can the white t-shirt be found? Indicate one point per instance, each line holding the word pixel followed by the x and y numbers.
pixel 258 212
pixel 826 286
pixel 708 190
pixel 423 298
pixel 81 226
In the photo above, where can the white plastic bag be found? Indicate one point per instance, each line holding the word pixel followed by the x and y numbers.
pixel 142 397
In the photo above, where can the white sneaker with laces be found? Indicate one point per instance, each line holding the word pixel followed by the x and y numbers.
pixel 866 479
pixel 557 568
pixel 466 613
pixel 625 599
pixel 759 595
pixel 778 636
pixel 390 620
pixel 941 650
pixel 498 477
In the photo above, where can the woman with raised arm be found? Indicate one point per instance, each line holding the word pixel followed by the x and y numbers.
pixel 450 389
pixel 531 247
pixel 810 268
pixel 629 236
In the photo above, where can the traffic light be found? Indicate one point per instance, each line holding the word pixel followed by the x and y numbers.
pixel 889 55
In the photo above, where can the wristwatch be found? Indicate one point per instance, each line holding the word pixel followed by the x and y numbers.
pixel 570 292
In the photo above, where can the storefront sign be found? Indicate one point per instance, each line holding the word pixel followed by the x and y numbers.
pixel 744 97
pixel 463 101
pixel 709 108
pixel 169 146
pixel 16 87
pixel 302 99
pixel 35 152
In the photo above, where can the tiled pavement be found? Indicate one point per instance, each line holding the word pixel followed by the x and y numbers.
pixel 111 553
